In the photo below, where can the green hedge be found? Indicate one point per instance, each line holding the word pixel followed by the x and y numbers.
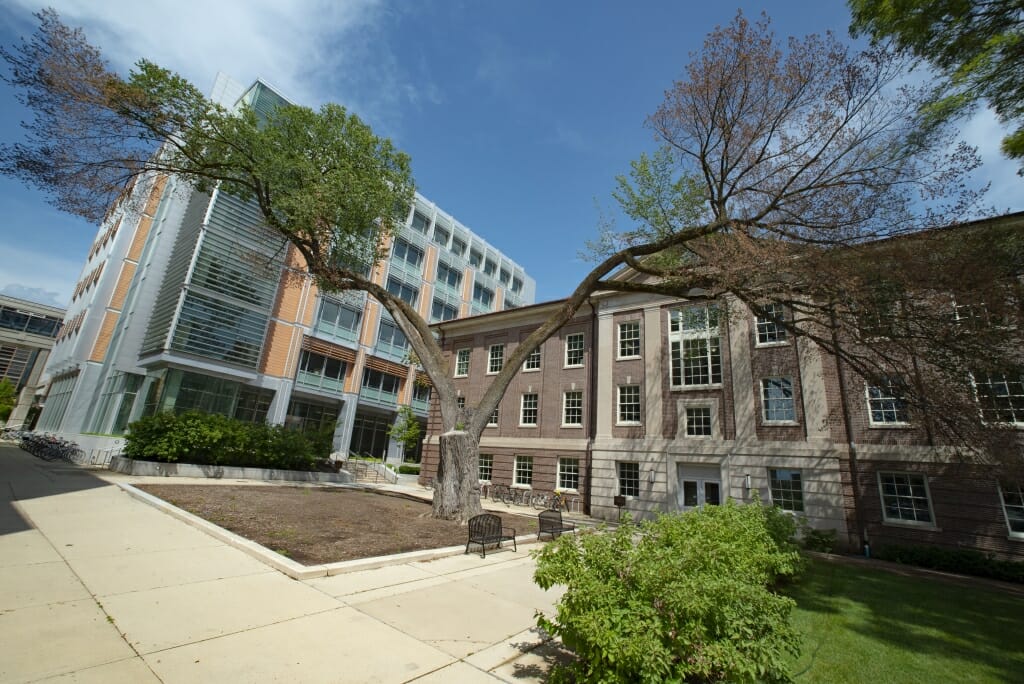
pixel 959 561
pixel 409 469
pixel 209 439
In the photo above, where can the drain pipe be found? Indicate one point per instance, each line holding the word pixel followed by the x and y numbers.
pixel 591 404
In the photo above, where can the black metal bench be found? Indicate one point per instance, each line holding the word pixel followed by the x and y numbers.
pixel 550 522
pixel 486 529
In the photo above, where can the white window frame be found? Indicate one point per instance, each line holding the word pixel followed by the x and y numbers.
pixel 766 384
pixel 893 397
pixel 582 350
pixel 535 408
pixel 1016 401
pixel 620 480
pixel 767 327
pixel 711 421
pixel 480 467
pixel 532 357
pixel 618 405
pixel 1017 489
pixel 563 461
pixel 710 335
pixel 517 470
pixel 628 325
pixel 458 362
pixel 927 495
pixel 565 407
pixel 492 421
pixel 492 357
pixel 780 499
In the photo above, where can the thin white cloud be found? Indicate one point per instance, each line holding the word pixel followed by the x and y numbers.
pixel 312 50
pixel 30 270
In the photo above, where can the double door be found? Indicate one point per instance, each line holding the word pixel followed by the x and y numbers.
pixel 699 486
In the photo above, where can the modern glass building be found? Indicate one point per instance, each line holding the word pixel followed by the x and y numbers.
pixel 27 332
pixel 187 301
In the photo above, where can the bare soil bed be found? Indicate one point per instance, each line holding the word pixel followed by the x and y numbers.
pixel 314 525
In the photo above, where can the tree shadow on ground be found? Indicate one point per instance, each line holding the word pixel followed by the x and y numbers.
pixel 921 618
pixel 24 477
pixel 540 659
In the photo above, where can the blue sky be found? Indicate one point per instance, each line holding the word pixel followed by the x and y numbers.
pixel 517 115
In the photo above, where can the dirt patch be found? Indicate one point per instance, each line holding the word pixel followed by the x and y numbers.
pixel 314 525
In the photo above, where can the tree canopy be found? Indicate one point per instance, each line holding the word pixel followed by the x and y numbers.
pixel 772 155
pixel 976 45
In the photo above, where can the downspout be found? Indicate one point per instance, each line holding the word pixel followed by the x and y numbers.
pixel 851 446
pixel 591 405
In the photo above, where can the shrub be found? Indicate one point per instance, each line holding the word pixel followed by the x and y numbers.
pixel 960 561
pixel 210 439
pixel 823 541
pixel 686 597
pixel 409 469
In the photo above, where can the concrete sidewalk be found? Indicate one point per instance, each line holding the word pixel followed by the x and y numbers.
pixel 96 586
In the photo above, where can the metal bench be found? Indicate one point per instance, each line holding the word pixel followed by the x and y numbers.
pixel 486 529
pixel 550 522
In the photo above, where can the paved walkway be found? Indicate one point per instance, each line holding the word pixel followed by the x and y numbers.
pixel 96 586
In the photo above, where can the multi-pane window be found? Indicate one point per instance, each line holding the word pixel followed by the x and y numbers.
pixel 505 277
pixel 490 268
pixel 486 467
pixel 443 311
pixel 462 363
pixel 441 235
pixel 482 294
pixel 421 393
pixel 532 360
pixel 493 420
pixel 769 327
pixel 698 421
pixel 696 355
pixel 569 473
pixel 460 402
pixel 572 408
pixel 321 371
pixel 458 246
pixel 629 340
pixel 786 488
pixel 475 258
pixel 777 400
pixel 629 404
pixel 420 222
pixel 517 284
pixel 1012 496
pixel 523 474
pixel 885 404
pixel 379 382
pixel 904 497
pixel 1001 397
pixel 337 318
pixel 528 412
pixel 448 275
pixel 629 478
pixel 574 350
pixel 389 335
pixel 403 291
pixel 408 252
pixel 495 358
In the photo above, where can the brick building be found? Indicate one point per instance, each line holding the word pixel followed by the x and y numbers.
pixel 676 403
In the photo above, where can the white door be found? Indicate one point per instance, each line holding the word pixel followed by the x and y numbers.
pixel 698 486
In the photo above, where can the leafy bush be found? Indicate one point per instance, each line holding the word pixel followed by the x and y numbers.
pixel 409 469
pixel 823 541
pixel 210 439
pixel 686 597
pixel 960 561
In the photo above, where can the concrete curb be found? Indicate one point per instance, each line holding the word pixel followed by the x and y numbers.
pixel 288 566
pixel 128 466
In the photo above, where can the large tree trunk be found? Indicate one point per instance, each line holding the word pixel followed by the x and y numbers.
pixel 457 486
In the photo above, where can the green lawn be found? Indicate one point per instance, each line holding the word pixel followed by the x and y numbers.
pixel 862 625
